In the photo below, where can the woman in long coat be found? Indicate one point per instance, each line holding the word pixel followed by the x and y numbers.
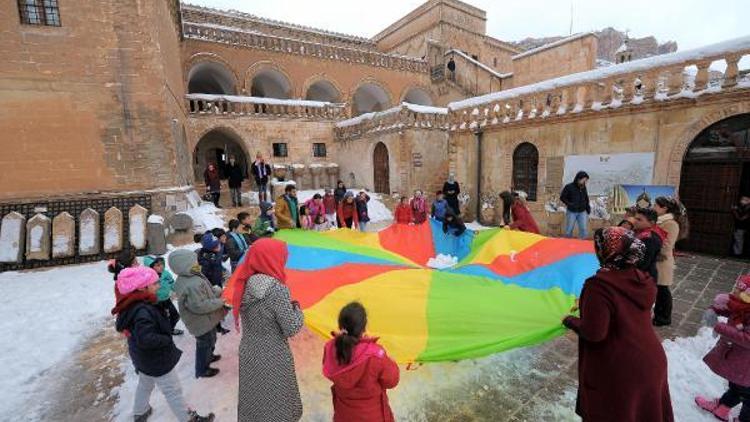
pixel 672 220
pixel 268 388
pixel 622 367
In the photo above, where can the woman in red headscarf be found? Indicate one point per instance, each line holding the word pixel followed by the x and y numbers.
pixel 268 388
pixel 622 367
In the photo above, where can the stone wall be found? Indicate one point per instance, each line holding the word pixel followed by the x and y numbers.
pixel 576 55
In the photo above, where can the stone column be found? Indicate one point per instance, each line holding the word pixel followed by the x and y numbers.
pixel 333 175
pixel 299 175
pixel 137 226
pixel 38 238
pixel 63 236
pixel 12 238
pixel 88 233
pixel 317 172
pixel 112 230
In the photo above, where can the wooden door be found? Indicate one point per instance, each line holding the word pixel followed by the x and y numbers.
pixel 381 169
pixel 708 191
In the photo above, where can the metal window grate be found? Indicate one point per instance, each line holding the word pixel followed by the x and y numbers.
pixel 39 12
pixel 319 150
pixel 280 149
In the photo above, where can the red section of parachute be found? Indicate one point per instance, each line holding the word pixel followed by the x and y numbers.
pixel 309 287
pixel 412 242
pixel 544 252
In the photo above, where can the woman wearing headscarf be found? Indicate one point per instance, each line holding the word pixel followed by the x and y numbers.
pixel 622 367
pixel 268 389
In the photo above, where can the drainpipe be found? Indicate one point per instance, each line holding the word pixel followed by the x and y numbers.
pixel 478 134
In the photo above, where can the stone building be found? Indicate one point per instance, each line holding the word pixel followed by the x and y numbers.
pixel 139 96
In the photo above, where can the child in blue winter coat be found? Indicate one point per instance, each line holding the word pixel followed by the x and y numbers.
pixel 163 295
pixel 439 207
pixel 210 258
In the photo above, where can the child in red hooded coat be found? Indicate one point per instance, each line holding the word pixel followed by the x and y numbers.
pixel 360 369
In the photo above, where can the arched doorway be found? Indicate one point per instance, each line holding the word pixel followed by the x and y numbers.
pixel 323 91
pixel 715 171
pixel 270 83
pixel 369 97
pixel 211 78
pixel 381 169
pixel 418 96
pixel 525 169
pixel 216 146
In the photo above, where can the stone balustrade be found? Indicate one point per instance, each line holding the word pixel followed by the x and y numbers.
pixel 396 118
pixel 654 80
pixel 230 105
pixel 236 36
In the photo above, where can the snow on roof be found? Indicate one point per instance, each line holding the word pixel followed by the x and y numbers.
pixel 376 114
pixel 260 100
pixel 224 27
pixel 480 64
pixel 623 48
pixel 551 45
pixel 709 51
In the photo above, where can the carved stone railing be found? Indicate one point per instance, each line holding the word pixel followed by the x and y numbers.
pixel 231 105
pixel 652 80
pixel 236 36
pixel 397 118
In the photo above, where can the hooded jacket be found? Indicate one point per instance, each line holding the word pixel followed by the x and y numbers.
pixel 622 367
pixel 359 388
pixel 201 306
pixel 575 197
pixel 264 225
pixel 166 281
pixel 149 332
pixel 403 214
pixel 730 357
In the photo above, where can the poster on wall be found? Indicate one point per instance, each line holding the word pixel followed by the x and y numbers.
pixel 608 170
pixel 625 196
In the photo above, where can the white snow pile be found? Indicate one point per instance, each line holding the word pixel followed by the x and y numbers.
pixel 155 219
pixel 375 208
pixel 205 217
pixel 442 261
pixel 377 114
pixel 260 100
pixel 476 226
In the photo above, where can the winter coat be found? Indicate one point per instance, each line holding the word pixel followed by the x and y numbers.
pixel 235 174
pixel 268 384
pixel 741 216
pixel 403 214
pixel 665 260
pixel 439 208
pixel 212 180
pixel 575 197
pixel 522 219
pixel 201 306
pixel 359 388
pixel 329 204
pixel 257 168
pixel 650 256
pixel 287 212
pixel 211 266
pixel 314 209
pixel 237 245
pixel 451 191
pixel 455 227
pixel 347 211
pixel 338 194
pixel 263 227
pixel 418 210
pixel 166 281
pixel 730 358
pixel 150 343
pixel 622 367
pixel 362 213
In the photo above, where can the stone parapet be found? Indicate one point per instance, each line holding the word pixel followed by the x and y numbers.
pixel 396 118
pixel 233 105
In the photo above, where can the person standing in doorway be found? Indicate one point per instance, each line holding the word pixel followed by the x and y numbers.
pixel 451 189
pixel 576 199
pixel 261 173
pixel 213 183
pixel 235 174
pixel 741 213
pixel 673 221
pixel 451 69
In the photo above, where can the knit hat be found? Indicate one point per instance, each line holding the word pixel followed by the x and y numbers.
pixel 134 278
pixel 743 284
pixel 209 241
pixel 265 206
pixel 348 195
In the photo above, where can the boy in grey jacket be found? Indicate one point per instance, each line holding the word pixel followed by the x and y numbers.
pixel 201 308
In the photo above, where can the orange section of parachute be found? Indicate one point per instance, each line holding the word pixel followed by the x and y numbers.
pixel 544 252
pixel 412 242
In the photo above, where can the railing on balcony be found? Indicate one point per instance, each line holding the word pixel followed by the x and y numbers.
pixel 652 80
pixel 232 105
pixel 400 117
pixel 237 36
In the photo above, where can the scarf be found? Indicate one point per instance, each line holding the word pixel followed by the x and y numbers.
pixel 419 205
pixel 658 231
pixel 239 240
pixel 125 302
pixel 618 248
pixel 267 256
pixel 739 311
pixel 261 169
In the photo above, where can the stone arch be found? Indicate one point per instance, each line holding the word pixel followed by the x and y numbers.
pixel 370 95
pixel 508 149
pixel 217 144
pixel 417 95
pixel 381 179
pixel 320 88
pixel 525 170
pixel 680 148
pixel 210 74
pixel 268 80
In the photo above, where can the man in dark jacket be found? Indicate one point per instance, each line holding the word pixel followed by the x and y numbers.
pixel 261 173
pixel 235 174
pixel 652 236
pixel 576 200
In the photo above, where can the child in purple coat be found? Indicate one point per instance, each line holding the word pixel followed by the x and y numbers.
pixel 730 358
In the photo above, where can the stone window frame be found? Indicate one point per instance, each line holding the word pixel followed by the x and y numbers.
pixel 39 12
pixel 280 149
pixel 316 150
pixel 525 172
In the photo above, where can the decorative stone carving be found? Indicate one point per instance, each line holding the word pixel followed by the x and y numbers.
pixel 137 226
pixel 12 238
pixel 112 230
pixel 63 235
pixel 88 233
pixel 38 238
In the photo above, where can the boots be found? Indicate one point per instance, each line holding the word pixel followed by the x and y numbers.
pixel 143 417
pixel 713 406
pixel 195 417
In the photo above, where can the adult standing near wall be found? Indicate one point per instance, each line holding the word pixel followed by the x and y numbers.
pixel 741 214
pixel 576 199
pixel 673 221
pixel 451 189
pixel 213 183
pixel 452 69
pixel 235 174
pixel 268 388
pixel 261 173
pixel 622 367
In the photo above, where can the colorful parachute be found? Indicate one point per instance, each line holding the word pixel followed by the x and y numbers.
pixel 509 289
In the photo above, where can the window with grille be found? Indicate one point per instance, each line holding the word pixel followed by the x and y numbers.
pixel 279 149
pixel 525 165
pixel 319 150
pixel 39 12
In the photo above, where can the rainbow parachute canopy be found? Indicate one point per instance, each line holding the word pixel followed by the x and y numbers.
pixel 509 289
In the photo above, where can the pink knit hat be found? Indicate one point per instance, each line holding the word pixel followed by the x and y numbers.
pixel 743 283
pixel 134 278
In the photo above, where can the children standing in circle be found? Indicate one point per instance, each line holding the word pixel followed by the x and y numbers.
pixel 360 370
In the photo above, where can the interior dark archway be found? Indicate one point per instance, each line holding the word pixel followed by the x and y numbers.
pixel 323 91
pixel 211 78
pixel 216 146
pixel 270 83
pixel 369 97
pixel 418 96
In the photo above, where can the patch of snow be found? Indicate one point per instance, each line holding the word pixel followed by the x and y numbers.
pixel 9 240
pixel 479 64
pixel 417 108
pixel 155 219
pixel 35 239
pixel 259 100
pixel 442 261
pixel 578 108
pixel 375 208
pixel 615 103
pixel 475 226
pixel 298 166
pixel 637 99
pixel 224 27
pixel 378 114
pixel 137 230
pixel 60 244
pixel 597 105
pixel 87 233
pixel 205 217
pixel 111 236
